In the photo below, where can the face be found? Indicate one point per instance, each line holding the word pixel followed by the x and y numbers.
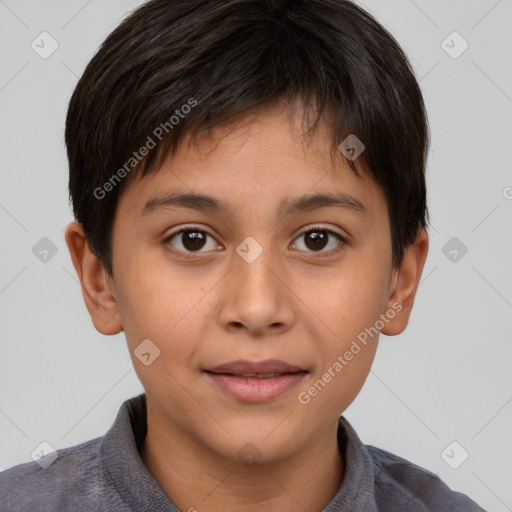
pixel 261 301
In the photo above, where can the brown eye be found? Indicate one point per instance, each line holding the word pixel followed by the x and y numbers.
pixel 315 240
pixel 191 240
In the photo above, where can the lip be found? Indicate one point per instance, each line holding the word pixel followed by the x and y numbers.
pixel 260 381
pixel 242 367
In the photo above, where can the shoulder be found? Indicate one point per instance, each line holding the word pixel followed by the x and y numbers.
pixel 67 479
pixel 416 489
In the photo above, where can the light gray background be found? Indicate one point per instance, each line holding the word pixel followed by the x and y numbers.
pixel 448 378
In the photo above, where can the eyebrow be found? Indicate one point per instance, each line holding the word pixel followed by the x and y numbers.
pixel 208 204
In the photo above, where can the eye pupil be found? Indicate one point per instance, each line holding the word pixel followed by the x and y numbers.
pixel 193 240
pixel 316 240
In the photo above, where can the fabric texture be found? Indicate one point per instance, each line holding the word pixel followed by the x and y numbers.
pixel 108 474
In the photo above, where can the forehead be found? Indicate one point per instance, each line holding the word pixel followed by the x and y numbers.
pixel 259 163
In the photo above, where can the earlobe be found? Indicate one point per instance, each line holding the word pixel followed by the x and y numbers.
pixel 405 283
pixel 99 298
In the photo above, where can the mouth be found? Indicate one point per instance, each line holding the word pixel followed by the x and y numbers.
pixel 256 381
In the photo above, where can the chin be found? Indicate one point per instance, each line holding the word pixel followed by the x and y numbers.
pixel 254 443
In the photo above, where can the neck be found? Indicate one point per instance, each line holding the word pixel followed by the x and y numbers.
pixel 196 478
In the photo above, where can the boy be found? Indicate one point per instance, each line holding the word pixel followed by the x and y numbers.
pixel 248 182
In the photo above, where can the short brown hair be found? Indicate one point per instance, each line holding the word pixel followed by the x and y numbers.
pixel 224 59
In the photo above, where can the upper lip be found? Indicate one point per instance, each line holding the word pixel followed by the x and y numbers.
pixel 266 367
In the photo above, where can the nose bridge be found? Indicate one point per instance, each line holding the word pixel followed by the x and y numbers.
pixel 252 264
pixel 257 299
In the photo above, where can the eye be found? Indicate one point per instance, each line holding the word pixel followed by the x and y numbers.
pixel 317 238
pixel 191 239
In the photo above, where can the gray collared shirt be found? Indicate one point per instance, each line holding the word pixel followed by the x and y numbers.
pixel 108 474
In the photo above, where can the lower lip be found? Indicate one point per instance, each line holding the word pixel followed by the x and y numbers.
pixel 251 389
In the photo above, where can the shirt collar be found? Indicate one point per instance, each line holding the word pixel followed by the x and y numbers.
pixel 122 464
pixel 125 471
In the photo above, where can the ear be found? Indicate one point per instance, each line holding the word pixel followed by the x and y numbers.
pixel 404 284
pixel 97 289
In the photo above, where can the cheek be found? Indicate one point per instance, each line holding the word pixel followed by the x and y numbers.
pixel 348 298
pixel 348 301
pixel 150 297
pixel 346 349
pixel 168 312
pixel 163 304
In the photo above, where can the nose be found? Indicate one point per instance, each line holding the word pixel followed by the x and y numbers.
pixel 256 298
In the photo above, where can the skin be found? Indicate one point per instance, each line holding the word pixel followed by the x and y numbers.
pixel 295 303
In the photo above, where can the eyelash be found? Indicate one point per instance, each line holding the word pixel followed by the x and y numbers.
pixel 191 255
